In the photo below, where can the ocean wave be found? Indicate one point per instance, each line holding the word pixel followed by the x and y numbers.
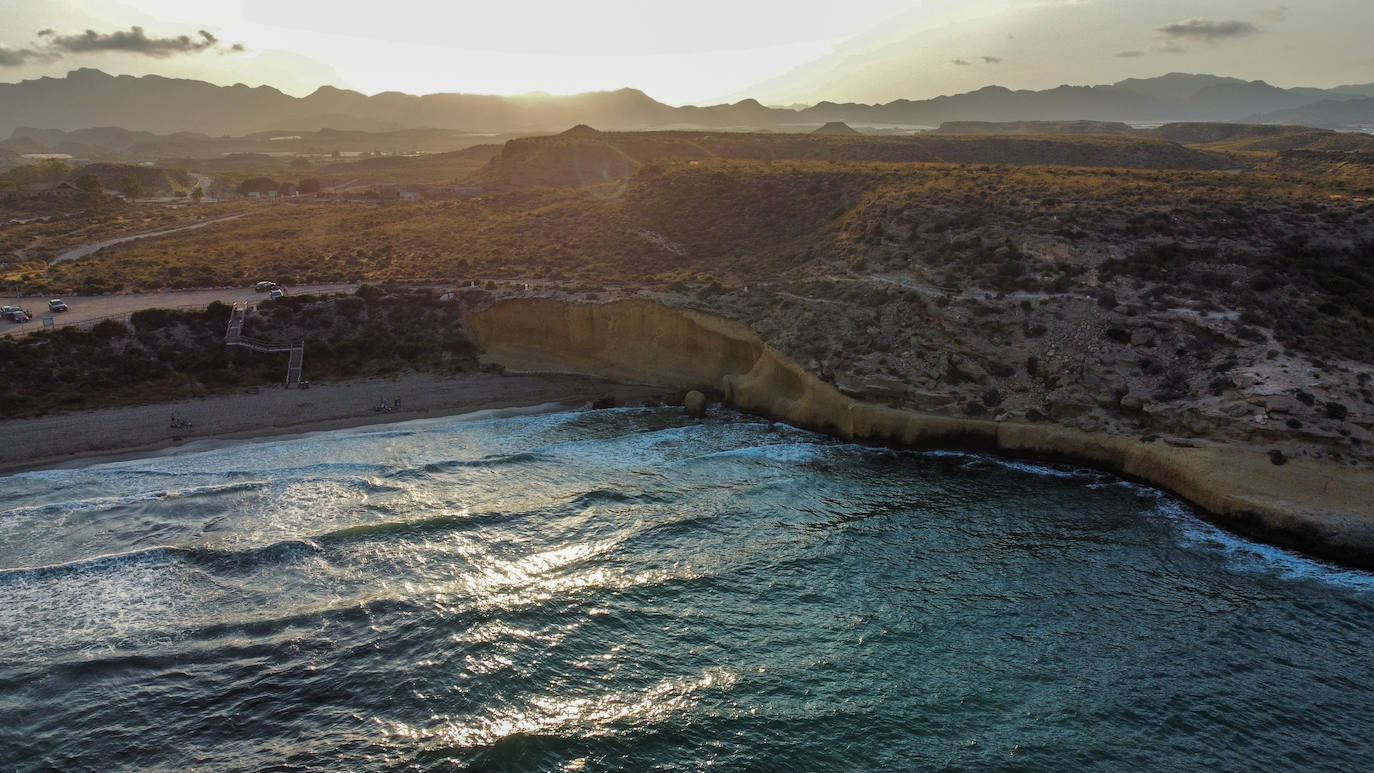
pixel 218 558
pixel 1245 555
pixel 160 554
pixel 612 496
pixel 973 461
pixel 444 522
pixel 102 563
pixel 785 453
pixel 96 505
pixel 486 462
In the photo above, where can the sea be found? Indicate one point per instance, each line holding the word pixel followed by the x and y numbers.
pixel 634 590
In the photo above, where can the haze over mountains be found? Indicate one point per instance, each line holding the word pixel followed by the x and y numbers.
pixel 88 98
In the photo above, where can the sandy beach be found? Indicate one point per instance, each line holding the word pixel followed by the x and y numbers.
pixel 89 436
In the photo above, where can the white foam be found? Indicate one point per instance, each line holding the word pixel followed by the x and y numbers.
pixel 1243 555
pixel 1240 554
pixel 1031 468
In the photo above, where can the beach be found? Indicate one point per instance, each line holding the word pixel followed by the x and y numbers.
pixel 86 436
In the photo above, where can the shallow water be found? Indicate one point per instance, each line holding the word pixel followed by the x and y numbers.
pixel 626 590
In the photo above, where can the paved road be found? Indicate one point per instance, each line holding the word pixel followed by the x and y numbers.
pixel 103 306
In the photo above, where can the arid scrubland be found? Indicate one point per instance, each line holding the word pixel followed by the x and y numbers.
pixel 1222 289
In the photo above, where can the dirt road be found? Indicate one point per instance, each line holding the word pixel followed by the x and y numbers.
pixel 94 247
pixel 104 306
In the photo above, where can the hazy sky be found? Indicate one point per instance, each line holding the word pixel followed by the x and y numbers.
pixel 700 52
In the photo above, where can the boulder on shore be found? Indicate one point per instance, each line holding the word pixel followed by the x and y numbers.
pixel 695 403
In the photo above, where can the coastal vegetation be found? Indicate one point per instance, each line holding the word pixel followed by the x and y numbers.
pixel 158 355
pixel 1118 283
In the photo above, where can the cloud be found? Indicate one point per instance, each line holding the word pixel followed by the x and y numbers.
pixel 992 60
pixel 51 46
pixel 961 62
pixel 1207 30
pixel 14 57
pixel 1274 14
pixel 134 41
pixel 1128 54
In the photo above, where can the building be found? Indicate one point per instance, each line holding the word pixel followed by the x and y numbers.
pixel 61 189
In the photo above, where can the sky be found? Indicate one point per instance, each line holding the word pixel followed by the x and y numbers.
pixel 702 52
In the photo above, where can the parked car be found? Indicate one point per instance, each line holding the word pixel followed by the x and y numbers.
pixel 15 314
pixel 57 304
pixel 275 293
pixel 264 286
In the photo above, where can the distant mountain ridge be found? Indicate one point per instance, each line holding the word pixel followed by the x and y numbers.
pixel 115 143
pixel 88 98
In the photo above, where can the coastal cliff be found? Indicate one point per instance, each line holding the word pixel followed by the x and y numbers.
pixel 1320 508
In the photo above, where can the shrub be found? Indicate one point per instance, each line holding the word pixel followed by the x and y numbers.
pixel 146 320
pixel 217 312
pixel 109 329
pixel 1173 387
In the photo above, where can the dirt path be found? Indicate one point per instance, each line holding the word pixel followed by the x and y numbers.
pixel 94 247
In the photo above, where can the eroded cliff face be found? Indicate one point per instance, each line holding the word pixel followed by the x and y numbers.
pixel 1317 507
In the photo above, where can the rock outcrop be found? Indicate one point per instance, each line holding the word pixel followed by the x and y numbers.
pixel 1323 509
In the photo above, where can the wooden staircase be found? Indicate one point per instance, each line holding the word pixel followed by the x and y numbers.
pixel 233 336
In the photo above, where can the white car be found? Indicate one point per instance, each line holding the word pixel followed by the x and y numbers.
pixel 264 286
pixel 275 293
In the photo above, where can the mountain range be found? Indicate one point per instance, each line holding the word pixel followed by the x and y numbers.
pixel 88 98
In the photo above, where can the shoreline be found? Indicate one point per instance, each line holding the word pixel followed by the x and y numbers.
pixel 570 354
pixel 1318 508
pixel 112 434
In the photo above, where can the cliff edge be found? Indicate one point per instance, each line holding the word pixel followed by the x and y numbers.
pixel 1319 508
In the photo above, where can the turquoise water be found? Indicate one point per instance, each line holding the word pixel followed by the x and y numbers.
pixel 629 590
